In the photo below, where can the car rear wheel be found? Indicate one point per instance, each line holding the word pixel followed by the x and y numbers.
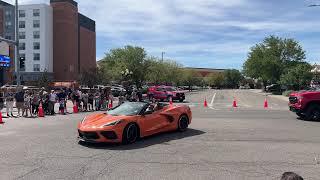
pixel 181 100
pixel 313 113
pixel 183 123
pixel 130 134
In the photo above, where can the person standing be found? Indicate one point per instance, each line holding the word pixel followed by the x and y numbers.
pixel 85 99
pixel 35 103
pixel 52 102
pixel 1 100
pixel 90 101
pixel 27 104
pixel 97 101
pixel 19 96
pixel 9 102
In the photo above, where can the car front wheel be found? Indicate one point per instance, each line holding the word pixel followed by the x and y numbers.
pixel 183 123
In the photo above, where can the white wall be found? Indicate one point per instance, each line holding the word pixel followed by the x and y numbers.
pixel 46 37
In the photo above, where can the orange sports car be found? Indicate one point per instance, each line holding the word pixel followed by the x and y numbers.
pixel 133 120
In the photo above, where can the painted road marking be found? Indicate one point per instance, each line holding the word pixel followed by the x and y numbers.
pixel 212 100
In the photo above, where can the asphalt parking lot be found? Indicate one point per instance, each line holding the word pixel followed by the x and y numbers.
pixel 248 142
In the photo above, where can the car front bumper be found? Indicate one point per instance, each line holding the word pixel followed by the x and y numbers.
pixel 108 136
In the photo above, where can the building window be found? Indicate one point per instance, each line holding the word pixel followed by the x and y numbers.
pixel 8 14
pixel 36 57
pixel 22 24
pixel 22 35
pixel 36 67
pixel 22 46
pixel 36 23
pixel 36 35
pixel 36 45
pixel 36 12
pixel 8 24
pixel 22 13
pixel 8 37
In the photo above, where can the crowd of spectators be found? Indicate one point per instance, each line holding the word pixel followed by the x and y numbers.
pixel 27 102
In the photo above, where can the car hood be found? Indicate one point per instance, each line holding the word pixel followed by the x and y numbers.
pixel 101 119
pixel 304 93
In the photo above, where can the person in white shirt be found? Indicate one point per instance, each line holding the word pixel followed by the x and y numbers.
pixel 52 101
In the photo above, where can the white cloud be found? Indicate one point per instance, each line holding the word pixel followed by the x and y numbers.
pixel 183 27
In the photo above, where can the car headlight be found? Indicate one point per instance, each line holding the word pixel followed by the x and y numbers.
pixel 113 123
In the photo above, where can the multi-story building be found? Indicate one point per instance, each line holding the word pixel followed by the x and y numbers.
pixel 7 29
pixel 74 41
pixel 35 41
pixel 54 38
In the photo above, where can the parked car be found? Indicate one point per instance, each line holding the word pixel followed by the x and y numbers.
pixel 116 91
pixel 164 93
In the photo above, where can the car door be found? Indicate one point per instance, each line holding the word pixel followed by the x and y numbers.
pixel 153 123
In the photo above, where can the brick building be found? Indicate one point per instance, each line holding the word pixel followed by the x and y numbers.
pixel 54 38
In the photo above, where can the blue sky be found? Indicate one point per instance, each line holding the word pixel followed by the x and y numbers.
pixel 201 33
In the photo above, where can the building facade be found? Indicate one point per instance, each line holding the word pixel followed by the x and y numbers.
pixel 7 29
pixel 53 38
pixel 74 44
pixel 35 41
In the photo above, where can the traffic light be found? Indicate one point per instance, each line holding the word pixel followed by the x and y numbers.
pixel 22 62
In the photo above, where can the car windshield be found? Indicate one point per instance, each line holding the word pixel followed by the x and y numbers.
pixel 170 89
pixel 128 109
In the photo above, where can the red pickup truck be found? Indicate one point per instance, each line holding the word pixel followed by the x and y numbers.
pixel 306 104
pixel 163 93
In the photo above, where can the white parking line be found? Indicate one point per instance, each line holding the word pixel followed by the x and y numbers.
pixel 212 100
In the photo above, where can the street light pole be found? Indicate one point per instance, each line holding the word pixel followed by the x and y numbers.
pixel 17 55
pixel 162 53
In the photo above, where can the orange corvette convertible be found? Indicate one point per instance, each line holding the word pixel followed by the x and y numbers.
pixel 133 120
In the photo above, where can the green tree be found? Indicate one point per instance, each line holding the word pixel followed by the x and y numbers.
pixel 121 60
pixel 44 80
pixel 272 58
pixel 297 77
pixel 163 72
pixel 190 78
pixel 232 78
pixel 216 80
pixel 90 77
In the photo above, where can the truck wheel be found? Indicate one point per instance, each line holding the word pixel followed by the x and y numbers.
pixel 302 116
pixel 313 113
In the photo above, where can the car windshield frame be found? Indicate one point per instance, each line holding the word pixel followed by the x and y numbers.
pixel 128 109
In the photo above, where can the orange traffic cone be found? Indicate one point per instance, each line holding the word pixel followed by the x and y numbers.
pixel 40 111
pixel 170 101
pixel 1 121
pixel 234 103
pixel 266 103
pixel 205 103
pixel 75 108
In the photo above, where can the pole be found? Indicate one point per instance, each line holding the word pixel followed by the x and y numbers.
pixel 17 55
pixel 162 53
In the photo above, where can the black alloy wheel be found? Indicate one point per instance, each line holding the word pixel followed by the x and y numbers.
pixel 183 123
